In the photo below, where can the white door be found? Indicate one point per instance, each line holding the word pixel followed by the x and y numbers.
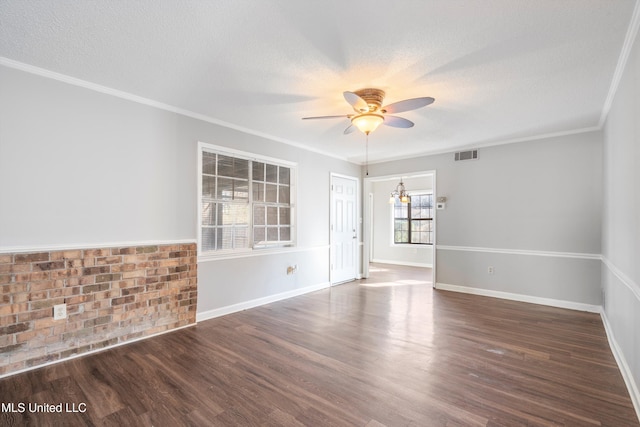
pixel 344 229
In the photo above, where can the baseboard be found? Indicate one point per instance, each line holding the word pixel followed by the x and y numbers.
pixel 98 350
pixel 522 298
pixel 222 311
pixel 408 264
pixel 625 370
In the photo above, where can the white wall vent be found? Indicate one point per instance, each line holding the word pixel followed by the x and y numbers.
pixel 466 155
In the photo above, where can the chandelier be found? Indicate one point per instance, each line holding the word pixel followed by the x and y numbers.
pixel 400 192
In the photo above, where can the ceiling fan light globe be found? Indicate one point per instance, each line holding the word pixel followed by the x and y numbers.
pixel 368 122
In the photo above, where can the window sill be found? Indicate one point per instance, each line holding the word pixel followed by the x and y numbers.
pixel 271 250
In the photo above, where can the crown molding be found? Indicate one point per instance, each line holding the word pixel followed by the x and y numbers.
pixel 42 72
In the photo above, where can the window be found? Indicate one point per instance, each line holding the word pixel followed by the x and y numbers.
pixel 245 201
pixel 413 221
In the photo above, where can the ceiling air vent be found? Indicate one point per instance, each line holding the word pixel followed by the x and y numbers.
pixel 466 155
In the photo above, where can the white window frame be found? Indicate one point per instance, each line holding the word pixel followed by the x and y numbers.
pixel 293 185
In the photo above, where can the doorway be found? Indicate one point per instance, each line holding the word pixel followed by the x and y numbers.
pixel 380 241
pixel 344 229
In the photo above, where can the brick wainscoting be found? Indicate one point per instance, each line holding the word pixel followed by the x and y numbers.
pixel 112 294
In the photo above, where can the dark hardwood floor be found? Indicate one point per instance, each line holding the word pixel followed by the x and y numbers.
pixel 384 351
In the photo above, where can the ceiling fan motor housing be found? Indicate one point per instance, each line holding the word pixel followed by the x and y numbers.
pixel 373 98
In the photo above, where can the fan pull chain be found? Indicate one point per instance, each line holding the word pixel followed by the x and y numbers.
pixel 366 161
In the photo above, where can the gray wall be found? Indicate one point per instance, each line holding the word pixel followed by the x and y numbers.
pixel 81 168
pixel 531 210
pixel 383 248
pixel 621 222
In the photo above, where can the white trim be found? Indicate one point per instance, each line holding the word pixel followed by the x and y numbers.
pixel 246 155
pixel 407 263
pixel 625 370
pixel 10 63
pixel 234 308
pixel 98 350
pixel 258 252
pixel 488 144
pixel 75 246
pixel 251 157
pixel 629 39
pixel 520 252
pixel 520 297
pixel 155 104
pixel 626 280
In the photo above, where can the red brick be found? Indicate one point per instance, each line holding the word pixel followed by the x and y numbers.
pixel 109 260
pixel 75 263
pixel 134 259
pixel 146 249
pixel 123 300
pixel 87 280
pixel 33 257
pixel 103 289
pixel 101 278
pixel 68 273
pixel 35 296
pixel 88 271
pixel 156 271
pixel 133 274
pixel 15 328
pixel 123 251
pixel 92 253
pixel 14 309
pixel 124 284
pixel 37 305
pixel 44 285
pixel 8 319
pixel 35 314
pixel 119 268
pixel 15 268
pixel 32 277
pixel 159 256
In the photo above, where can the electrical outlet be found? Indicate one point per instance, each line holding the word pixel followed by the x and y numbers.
pixel 490 270
pixel 59 311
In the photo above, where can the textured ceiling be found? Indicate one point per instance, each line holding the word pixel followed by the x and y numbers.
pixel 500 70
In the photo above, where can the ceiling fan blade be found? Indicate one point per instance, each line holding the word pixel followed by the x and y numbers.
pixel 343 116
pixel 350 129
pixel 356 102
pixel 407 105
pixel 397 122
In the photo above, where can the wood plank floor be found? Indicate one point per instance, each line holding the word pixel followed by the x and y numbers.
pixel 384 351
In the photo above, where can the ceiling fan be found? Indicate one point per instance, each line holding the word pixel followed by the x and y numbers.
pixel 369 112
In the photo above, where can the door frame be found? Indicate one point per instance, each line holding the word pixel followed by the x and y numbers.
pixel 369 219
pixel 357 221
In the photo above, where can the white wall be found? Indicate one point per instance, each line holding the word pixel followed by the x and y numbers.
pixel 621 223
pixel 81 168
pixel 531 210
pixel 382 240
